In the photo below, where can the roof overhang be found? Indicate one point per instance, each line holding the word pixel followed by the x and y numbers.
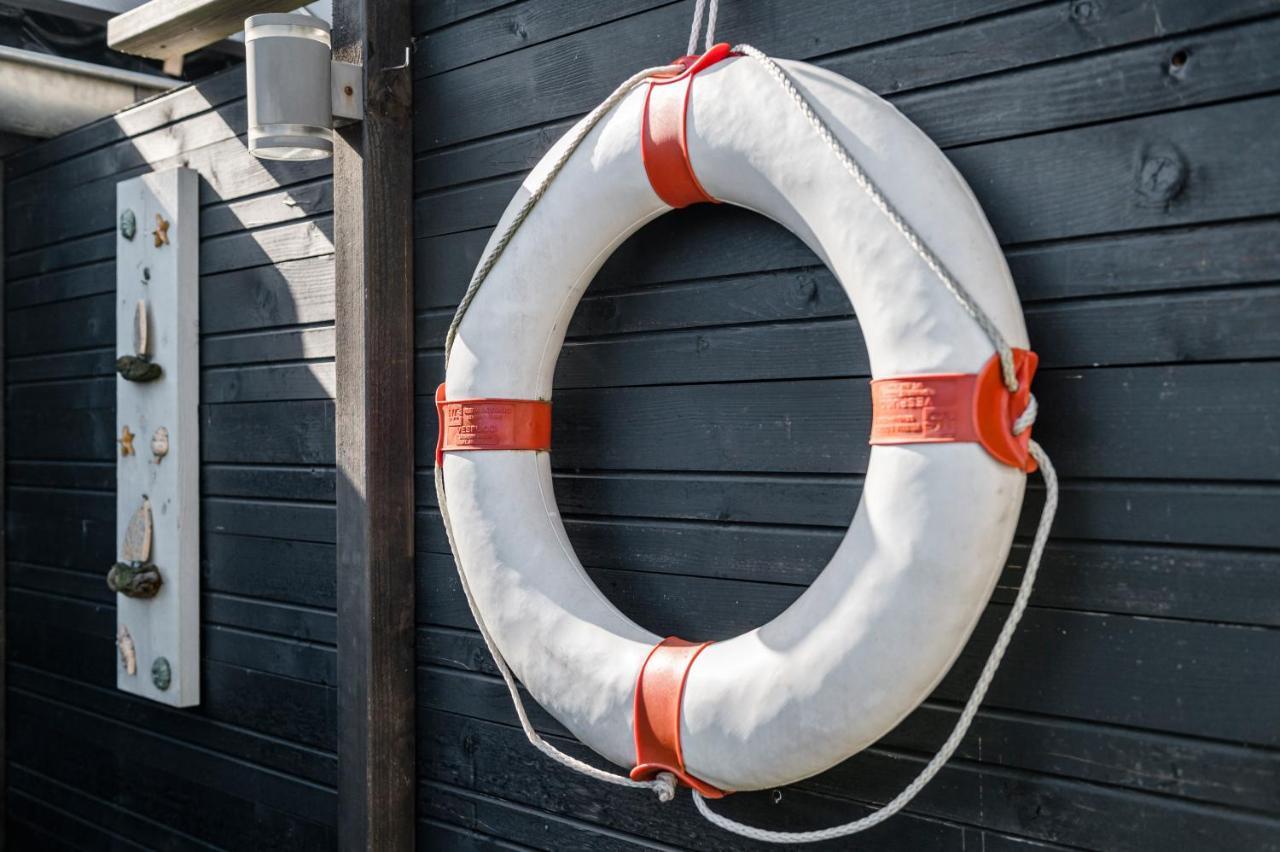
pixel 43 95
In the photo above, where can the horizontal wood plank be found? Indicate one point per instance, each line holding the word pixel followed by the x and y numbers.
pixel 496 763
pixel 535 85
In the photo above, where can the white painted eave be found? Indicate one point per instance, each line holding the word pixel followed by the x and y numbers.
pixel 43 95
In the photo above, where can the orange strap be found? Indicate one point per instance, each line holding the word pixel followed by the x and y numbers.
pixel 659 690
pixel 664 144
pixel 491 424
pixel 942 408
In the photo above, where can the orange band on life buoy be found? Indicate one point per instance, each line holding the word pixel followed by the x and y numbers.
pixel 491 424
pixel 943 408
pixel 664 145
pixel 659 690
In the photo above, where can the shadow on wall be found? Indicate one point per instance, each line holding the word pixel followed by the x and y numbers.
pixel 263 739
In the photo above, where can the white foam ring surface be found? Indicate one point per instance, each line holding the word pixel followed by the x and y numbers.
pixel 889 614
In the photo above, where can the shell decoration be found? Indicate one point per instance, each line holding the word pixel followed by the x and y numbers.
pixel 161 233
pixel 128 654
pixel 141 331
pixel 126 441
pixel 135 369
pixel 135 580
pixel 137 536
pixel 160 444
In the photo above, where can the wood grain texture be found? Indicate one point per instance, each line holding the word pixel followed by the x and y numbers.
pixel 161 29
pixel 373 432
pixel 537 84
pixel 4 555
pixel 1136 200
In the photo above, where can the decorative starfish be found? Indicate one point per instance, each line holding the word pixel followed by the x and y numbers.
pixel 125 441
pixel 161 232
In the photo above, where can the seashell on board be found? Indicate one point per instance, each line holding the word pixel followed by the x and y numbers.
pixel 160 443
pixel 126 441
pixel 137 536
pixel 161 233
pixel 128 654
pixel 141 331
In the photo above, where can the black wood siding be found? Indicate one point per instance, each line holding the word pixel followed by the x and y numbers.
pixel 711 409
pixel 1125 151
pixel 254 766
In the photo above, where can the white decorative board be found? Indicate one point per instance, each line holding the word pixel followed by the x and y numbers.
pixel 158 435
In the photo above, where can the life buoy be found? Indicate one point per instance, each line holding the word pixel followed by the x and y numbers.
pixel 881 625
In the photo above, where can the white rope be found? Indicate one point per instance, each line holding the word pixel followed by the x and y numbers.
pixel 698 9
pixel 697 26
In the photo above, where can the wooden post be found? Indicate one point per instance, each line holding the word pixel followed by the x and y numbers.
pixel 4 555
pixel 373 215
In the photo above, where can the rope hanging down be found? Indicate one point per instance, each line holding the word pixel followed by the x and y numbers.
pixel 697 26
pixel 664 784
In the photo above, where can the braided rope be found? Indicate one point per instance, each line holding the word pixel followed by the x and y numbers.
pixel 698 8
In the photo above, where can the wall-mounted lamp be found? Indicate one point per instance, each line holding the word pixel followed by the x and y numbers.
pixel 295 88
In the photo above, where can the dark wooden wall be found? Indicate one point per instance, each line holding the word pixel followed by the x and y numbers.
pixel 254 766
pixel 712 411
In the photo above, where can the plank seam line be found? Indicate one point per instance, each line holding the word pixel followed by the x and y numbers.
pixel 108 804
pixel 76 820
pixel 37 674
pixel 548 41
pixel 953 706
pixel 966 765
pixel 276 774
pixel 537 813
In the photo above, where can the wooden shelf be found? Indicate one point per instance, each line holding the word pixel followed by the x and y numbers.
pixel 167 29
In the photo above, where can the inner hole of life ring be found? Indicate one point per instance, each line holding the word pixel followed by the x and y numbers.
pixel 709 425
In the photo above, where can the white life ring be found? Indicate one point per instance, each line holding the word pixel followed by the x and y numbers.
pixel 881 625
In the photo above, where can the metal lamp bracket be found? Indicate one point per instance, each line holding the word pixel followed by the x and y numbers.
pixel 348 92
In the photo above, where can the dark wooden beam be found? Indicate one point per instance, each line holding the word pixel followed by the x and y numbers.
pixel 373 215
pixel 4 555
